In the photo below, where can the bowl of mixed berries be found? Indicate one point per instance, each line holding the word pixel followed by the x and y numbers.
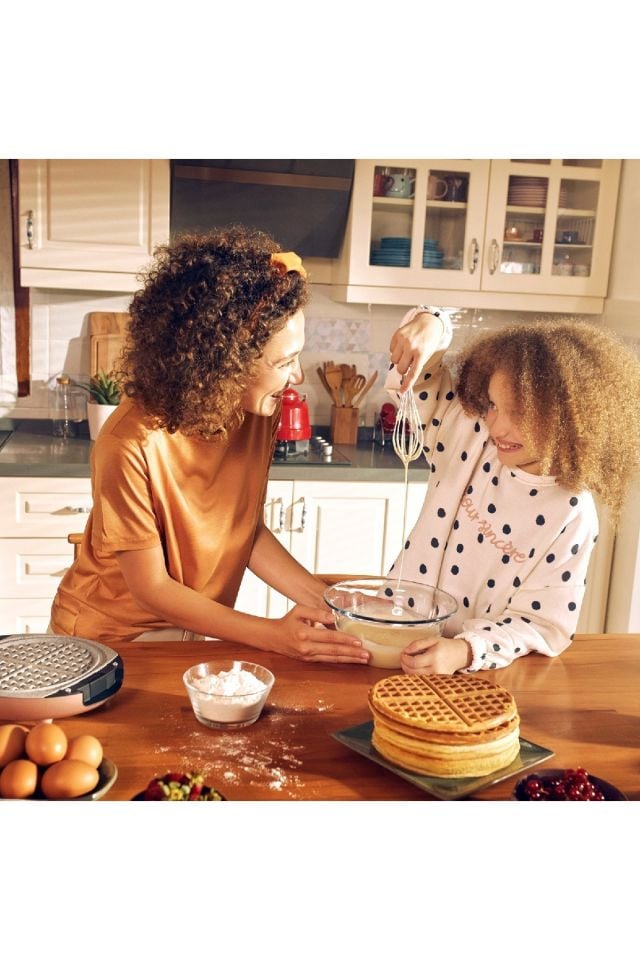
pixel 179 786
pixel 565 785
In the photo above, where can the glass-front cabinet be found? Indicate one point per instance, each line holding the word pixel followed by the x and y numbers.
pixel 423 224
pixel 550 225
pixel 486 226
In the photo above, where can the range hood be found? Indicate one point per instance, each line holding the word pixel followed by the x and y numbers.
pixel 303 204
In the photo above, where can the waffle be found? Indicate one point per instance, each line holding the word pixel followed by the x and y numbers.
pixel 444 726
pixel 452 766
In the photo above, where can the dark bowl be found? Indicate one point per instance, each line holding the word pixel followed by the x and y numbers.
pixel 607 789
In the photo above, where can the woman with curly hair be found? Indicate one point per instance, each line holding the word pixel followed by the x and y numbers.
pixel 179 471
pixel 539 418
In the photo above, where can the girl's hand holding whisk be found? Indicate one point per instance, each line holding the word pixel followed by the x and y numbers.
pixel 413 343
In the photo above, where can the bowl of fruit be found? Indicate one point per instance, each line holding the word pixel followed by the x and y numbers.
pixel 566 784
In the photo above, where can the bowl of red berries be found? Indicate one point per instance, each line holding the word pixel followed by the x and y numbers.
pixel 565 785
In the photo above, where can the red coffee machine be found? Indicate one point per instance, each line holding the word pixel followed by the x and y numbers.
pixel 294 430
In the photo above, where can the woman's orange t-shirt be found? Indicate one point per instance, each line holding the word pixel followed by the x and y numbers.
pixel 200 500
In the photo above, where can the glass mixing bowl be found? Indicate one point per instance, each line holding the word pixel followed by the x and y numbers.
pixel 386 614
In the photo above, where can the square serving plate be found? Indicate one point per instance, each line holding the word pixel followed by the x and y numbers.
pixel 359 739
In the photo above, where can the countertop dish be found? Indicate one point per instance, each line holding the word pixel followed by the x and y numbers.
pixel 359 739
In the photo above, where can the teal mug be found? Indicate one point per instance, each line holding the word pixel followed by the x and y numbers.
pixel 401 186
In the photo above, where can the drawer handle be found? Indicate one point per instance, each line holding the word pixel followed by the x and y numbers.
pixel 67 510
pixel 30 229
pixel 303 516
pixel 281 517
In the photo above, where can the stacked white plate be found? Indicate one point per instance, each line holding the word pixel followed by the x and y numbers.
pixel 527 191
pixel 531 192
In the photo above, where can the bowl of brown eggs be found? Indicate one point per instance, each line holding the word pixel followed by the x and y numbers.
pixel 42 763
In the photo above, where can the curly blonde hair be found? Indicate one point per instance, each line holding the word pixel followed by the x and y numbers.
pixel 209 304
pixel 576 389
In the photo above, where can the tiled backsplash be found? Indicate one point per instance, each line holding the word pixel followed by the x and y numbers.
pixel 345 333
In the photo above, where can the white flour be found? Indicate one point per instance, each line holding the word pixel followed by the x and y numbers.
pixel 229 683
pixel 220 687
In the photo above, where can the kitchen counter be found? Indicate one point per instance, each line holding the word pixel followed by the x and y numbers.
pixel 29 449
pixel 582 705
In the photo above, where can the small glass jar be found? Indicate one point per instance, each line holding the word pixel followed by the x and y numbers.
pixel 63 408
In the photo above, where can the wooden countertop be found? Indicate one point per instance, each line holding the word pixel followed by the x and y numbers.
pixel 583 705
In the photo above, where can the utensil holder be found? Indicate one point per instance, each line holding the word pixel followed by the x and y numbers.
pixel 344 424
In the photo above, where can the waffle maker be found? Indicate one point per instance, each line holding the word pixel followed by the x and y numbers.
pixel 44 676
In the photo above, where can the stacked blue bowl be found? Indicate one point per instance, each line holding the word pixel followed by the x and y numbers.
pixel 432 254
pixel 392 252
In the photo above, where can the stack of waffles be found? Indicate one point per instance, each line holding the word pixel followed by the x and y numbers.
pixel 444 726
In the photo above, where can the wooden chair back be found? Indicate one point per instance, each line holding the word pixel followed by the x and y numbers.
pixel 76 540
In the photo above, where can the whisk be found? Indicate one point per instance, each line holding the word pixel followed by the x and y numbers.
pixel 408 441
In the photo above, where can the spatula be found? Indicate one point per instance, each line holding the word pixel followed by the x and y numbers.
pixel 323 380
pixel 334 379
pixel 357 399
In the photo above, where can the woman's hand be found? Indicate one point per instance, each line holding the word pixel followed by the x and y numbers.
pixel 302 634
pixel 412 344
pixel 436 655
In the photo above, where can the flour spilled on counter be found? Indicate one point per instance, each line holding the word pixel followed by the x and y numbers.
pixel 234 760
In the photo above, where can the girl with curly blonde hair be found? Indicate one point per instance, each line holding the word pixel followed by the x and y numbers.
pixel 179 471
pixel 539 418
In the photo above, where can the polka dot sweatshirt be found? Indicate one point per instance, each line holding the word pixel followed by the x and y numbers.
pixel 511 547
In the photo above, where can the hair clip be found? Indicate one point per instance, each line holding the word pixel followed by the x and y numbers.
pixel 288 263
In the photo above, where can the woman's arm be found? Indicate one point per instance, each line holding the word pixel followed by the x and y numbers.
pixel 294 635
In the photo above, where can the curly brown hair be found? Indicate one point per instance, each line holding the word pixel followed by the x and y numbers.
pixel 209 304
pixel 577 394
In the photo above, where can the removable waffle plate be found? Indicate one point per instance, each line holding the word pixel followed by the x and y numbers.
pixel 44 676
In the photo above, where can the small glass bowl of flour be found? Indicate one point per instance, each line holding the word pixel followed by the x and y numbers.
pixel 228 693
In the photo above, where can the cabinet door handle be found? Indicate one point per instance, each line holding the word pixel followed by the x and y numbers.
pixel 474 255
pixel 77 510
pixel 30 229
pixel 281 515
pixel 303 516
pixel 494 256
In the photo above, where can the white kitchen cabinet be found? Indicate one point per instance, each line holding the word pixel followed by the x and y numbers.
pixel 503 234
pixel 332 527
pixel 36 516
pixel 26 615
pixel 90 224
pixel 328 526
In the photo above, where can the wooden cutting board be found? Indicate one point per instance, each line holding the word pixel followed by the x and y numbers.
pixel 106 336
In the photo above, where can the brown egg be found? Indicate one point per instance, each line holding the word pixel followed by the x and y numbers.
pixel 86 748
pixel 18 780
pixel 68 779
pixel 12 738
pixel 46 743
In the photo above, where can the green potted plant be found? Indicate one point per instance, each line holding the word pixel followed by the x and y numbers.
pixel 105 393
